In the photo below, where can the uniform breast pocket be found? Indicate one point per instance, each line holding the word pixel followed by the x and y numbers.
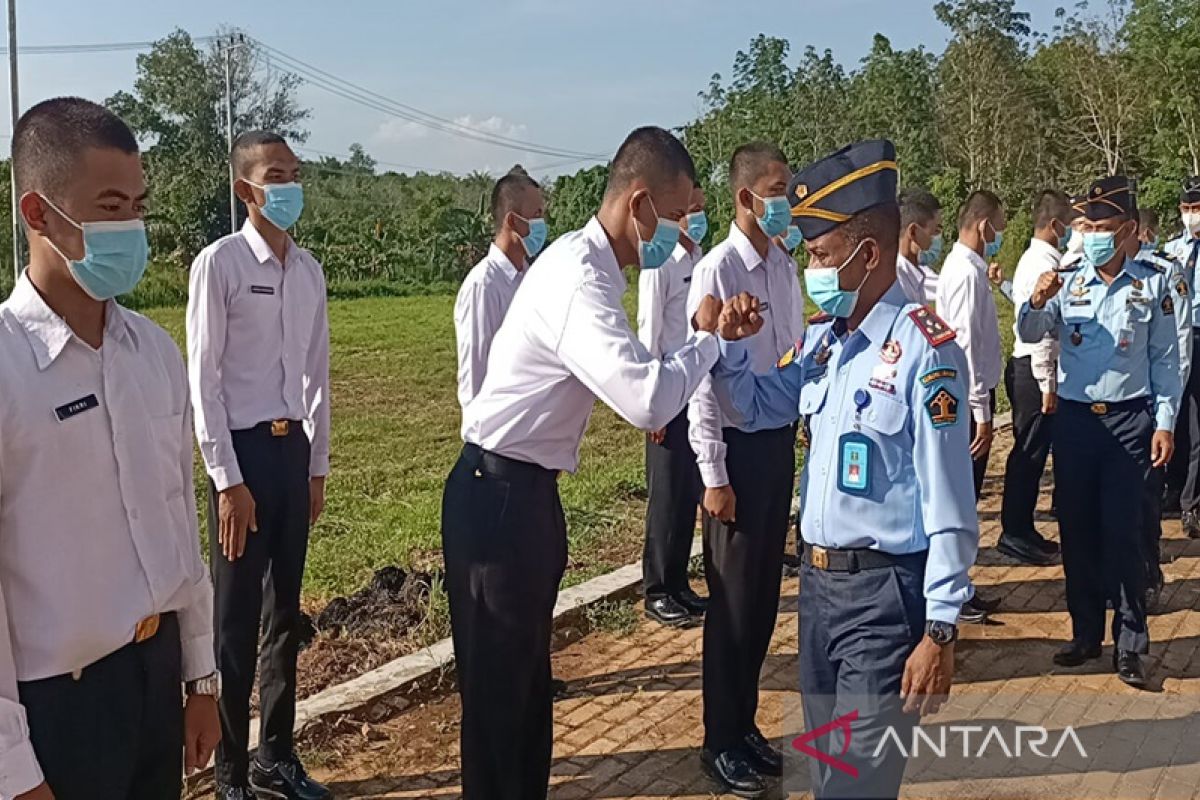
pixel 168 443
pixel 884 421
pixel 812 397
pixel 1078 310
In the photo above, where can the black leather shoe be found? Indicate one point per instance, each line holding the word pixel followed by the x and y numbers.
pixel 1047 546
pixel 1129 668
pixel 733 772
pixel 791 565
pixel 558 688
pixel 694 603
pixel 1190 520
pixel 285 780
pixel 765 759
pixel 972 614
pixel 667 611
pixel 988 604
pixel 1024 550
pixel 1075 652
pixel 227 792
pixel 1171 506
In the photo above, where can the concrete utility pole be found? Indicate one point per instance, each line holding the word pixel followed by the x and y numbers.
pixel 15 113
pixel 236 41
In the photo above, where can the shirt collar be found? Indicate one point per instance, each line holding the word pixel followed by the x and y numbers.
pixel 1091 275
pixel 1044 247
pixel 974 258
pixel 258 245
pixel 877 325
pixel 47 332
pixel 497 256
pixel 596 236
pixel 744 247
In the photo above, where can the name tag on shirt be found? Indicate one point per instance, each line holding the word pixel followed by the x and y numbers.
pixel 854 464
pixel 76 407
pixel 262 290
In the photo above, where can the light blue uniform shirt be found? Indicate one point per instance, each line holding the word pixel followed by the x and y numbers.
pixel 1181 289
pixel 1184 249
pixel 1128 347
pixel 921 493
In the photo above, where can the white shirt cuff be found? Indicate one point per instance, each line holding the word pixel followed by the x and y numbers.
pixel 19 770
pixel 198 658
pixel 224 477
pixel 318 466
pixel 713 474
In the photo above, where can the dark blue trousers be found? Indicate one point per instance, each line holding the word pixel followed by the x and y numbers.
pixel 857 630
pixel 1101 465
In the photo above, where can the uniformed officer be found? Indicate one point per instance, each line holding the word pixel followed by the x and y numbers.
pixel 258 358
pixel 888 523
pixel 1186 464
pixel 1118 395
pixel 672 477
pixel 748 475
pixel 106 608
pixel 565 341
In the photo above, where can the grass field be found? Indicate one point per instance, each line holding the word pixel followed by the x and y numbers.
pixel 395 436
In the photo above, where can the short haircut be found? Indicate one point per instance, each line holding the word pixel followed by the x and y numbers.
pixel 51 137
pixel 653 155
pixel 1148 219
pixel 1051 205
pixel 751 161
pixel 981 205
pixel 918 207
pixel 506 194
pixel 244 146
pixel 881 223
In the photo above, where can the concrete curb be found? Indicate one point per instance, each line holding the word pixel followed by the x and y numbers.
pixel 432 662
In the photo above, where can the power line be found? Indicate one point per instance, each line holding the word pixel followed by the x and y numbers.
pixel 327 154
pixel 99 47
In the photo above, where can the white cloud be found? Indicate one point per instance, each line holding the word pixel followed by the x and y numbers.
pixel 411 143
pixel 398 131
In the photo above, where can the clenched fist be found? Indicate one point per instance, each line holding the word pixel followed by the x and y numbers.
pixel 740 317
pixel 707 315
pixel 1047 286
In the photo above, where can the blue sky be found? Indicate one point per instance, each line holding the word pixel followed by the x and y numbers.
pixel 570 74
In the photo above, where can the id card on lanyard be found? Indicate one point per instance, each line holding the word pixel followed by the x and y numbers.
pixel 854 453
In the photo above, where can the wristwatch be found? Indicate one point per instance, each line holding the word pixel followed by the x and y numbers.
pixel 208 686
pixel 942 633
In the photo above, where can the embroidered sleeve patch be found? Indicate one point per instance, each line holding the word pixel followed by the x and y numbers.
pixel 942 407
pixel 938 374
pixel 932 327
pixel 1168 306
pixel 1181 288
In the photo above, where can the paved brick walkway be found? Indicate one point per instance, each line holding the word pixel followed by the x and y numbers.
pixel 631 722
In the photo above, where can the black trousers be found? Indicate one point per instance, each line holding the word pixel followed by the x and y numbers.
pixel 263 586
pixel 1031 445
pixel 117 732
pixel 979 466
pixel 743 565
pixel 857 630
pixel 1186 462
pixel 1152 510
pixel 1101 465
pixel 673 484
pixel 504 538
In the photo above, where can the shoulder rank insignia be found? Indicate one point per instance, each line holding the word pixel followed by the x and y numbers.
pixel 932 327
pixel 1181 287
pixel 1168 306
pixel 818 318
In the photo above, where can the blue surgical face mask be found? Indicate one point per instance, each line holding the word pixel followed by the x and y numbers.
pixel 695 225
pixel 1100 247
pixel 793 238
pixel 114 256
pixel 285 203
pixel 927 258
pixel 653 253
pixel 536 238
pixel 825 289
pixel 777 215
pixel 992 248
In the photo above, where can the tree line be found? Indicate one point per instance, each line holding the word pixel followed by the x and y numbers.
pixel 1108 89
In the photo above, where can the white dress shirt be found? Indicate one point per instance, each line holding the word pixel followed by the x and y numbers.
pixel 663 321
pixel 258 347
pixel 733 267
pixel 483 300
pixel 98 525
pixel 965 301
pixel 565 342
pixel 1040 258
pixel 918 282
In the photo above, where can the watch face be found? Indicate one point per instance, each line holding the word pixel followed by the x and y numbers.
pixel 941 633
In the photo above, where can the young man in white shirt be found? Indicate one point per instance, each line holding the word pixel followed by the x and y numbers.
pixel 965 301
pixel 565 342
pixel 920 245
pixel 672 478
pixel 258 353
pixel 748 475
pixel 106 607
pixel 486 293
pixel 1031 379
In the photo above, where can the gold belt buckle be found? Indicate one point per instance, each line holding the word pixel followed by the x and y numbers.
pixel 820 557
pixel 1099 408
pixel 146 629
pixel 279 427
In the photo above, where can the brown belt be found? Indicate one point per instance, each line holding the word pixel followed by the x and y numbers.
pixel 144 631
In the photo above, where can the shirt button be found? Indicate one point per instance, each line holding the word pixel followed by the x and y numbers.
pixel 135 515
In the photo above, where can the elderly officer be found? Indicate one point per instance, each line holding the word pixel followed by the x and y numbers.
pixel 885 388
pixel 1118 394
pixel 1186 250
